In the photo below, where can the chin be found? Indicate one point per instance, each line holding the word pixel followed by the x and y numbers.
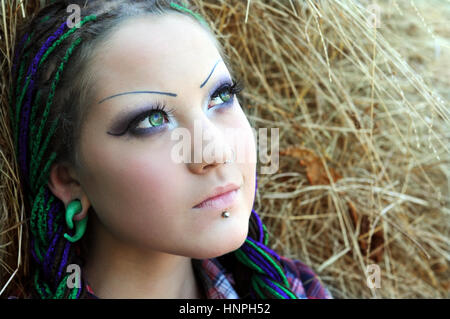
pixel 222 244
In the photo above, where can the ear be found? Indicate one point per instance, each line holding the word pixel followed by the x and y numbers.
pixel 64 184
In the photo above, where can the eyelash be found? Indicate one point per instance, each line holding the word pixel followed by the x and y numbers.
pixel 233 89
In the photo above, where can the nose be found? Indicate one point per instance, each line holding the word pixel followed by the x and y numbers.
pixel 209 148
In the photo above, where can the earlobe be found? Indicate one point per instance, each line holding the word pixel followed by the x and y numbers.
pixel 85 204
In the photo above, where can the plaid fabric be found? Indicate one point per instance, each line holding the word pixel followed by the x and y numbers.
pixel 303 280
pixel 219 284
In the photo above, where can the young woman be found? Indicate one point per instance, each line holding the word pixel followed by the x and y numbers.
pixel 93 110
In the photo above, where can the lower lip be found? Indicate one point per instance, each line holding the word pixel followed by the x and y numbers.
pixel 220 202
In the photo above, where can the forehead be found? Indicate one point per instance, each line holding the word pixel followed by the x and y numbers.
pixel 154 50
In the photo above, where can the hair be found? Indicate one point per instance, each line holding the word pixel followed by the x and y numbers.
pixel 46 112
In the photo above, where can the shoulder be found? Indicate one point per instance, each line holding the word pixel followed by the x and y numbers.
pixel 303 281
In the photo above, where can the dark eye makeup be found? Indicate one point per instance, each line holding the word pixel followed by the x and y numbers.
pixel 225 91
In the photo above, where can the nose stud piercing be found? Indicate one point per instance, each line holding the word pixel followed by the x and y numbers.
pixel 225 214
pixel 232 160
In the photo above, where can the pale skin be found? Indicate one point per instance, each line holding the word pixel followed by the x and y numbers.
pixel 144 230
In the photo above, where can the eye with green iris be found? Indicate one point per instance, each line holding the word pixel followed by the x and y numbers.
pixel 224 95
pixel 156 116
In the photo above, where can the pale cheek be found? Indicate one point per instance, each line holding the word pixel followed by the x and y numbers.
pixel 247 162
pixel 134 191
pixel 151 182
pixel 149 185
pixel 249 172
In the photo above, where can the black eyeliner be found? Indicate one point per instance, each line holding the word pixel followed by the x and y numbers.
pixel 139 113
pixel 146 131
pixel 135 116
pixel 221 84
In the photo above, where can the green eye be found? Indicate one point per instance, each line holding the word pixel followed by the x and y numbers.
pixel 150 121
pixel 156 119
pixel 225 96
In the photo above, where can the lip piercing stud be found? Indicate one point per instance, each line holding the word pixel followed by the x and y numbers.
pixel 225 214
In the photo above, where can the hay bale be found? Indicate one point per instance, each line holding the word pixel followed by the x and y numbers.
pixel 363 124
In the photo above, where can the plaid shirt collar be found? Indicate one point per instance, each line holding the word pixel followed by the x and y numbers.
pixel 219 284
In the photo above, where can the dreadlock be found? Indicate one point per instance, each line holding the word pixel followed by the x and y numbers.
pixel 50 86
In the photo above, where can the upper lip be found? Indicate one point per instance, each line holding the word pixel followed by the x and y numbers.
pixel 219 191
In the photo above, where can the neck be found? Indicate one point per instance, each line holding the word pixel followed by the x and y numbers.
pixel 115 269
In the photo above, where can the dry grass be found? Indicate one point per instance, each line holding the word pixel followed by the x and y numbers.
pixel 364 131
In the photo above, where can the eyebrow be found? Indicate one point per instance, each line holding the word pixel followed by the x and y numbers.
pixel 136 92
pixel 214 67
pixel 158 92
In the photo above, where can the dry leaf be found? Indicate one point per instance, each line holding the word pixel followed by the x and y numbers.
pixel 315 170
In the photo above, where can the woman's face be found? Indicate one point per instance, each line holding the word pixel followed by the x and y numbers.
pixel 141 194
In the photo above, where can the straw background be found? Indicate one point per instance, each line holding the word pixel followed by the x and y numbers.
pixel 364 131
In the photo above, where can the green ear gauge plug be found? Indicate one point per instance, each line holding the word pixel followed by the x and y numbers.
pixel 73 208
